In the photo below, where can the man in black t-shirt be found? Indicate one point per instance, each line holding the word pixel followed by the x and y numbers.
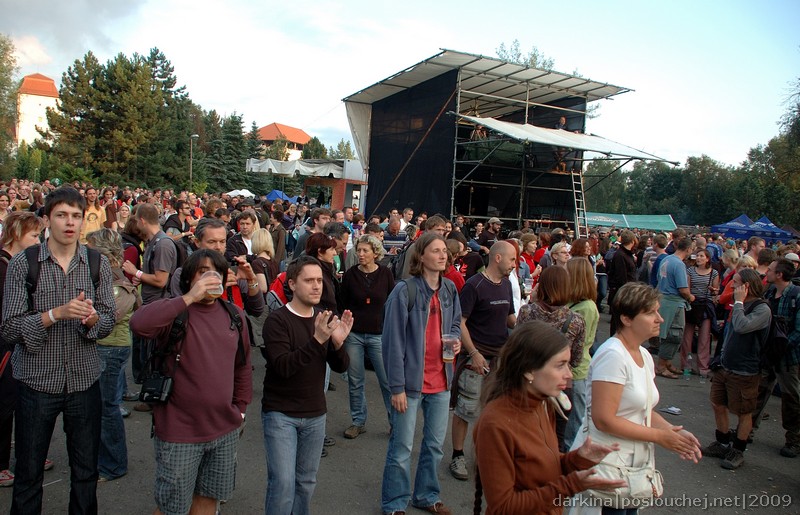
pixel 490 235
pixel 487 312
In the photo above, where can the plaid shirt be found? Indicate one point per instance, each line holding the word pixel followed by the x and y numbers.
pixel 787 309
pixel 62 358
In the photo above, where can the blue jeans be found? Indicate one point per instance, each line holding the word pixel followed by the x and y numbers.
pixel 396 489
pixel 294 448
pixel 577 414
pixel 36 419
pixel 602 288
pixel 113 455
pixel 356 346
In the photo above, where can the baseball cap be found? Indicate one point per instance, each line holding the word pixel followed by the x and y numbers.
pixel 791 256
pixel 494 220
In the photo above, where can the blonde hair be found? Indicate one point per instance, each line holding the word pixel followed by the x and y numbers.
pixel 109 243
pixel 558 247
pixel 582 285
pixel 262 242
pixel 746 262
pixel 374 243
pixel 732 257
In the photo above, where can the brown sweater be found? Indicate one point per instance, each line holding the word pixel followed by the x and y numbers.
pixel 521 470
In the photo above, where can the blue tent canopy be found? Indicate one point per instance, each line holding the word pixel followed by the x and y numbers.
pixel 778 233
pixel 742 227
pixel 274 195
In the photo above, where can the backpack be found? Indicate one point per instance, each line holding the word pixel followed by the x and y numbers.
pixel 279 293
pixel 777 344
pixel 397 262
pixel 155 370
pixel 32 279
pixel 181 255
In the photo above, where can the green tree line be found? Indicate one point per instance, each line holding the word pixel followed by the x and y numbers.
pixel 127 121
pixel 704 191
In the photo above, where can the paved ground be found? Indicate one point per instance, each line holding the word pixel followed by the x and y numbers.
pixel 350 477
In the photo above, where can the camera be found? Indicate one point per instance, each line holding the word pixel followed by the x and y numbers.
pixel 156 388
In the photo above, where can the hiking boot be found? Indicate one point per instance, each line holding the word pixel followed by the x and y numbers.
pixel 458 468
pixel 790 450
pixel 716 450
pixel 143 407
pixel 733 460
pixel 353 431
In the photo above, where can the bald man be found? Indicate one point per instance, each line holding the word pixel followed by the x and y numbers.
pixel 487 312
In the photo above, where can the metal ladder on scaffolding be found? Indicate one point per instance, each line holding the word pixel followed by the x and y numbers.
pixel 581 225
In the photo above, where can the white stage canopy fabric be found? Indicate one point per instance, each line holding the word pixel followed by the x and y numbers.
pixel 306 167
pixel 562 138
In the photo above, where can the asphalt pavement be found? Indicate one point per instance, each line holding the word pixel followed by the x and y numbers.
pixel 349 479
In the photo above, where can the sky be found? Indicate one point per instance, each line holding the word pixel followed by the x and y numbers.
pixel 709 77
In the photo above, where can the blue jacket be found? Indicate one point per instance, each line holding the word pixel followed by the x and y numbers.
pixel 404 334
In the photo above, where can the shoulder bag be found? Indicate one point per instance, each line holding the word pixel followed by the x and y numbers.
pixel 643 483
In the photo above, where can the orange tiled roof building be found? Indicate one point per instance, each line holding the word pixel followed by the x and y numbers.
pixel 36 93
pixel 297 138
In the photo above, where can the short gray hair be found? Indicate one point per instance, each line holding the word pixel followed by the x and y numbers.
pixel 375 243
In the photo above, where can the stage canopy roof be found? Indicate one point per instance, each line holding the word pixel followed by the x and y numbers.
pixel 561 138
pixel 497 87
pixel 655 222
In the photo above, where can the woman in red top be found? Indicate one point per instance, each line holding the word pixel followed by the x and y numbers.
pixel 544 244
pixel 454 249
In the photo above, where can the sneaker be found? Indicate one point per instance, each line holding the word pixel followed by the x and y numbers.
pixel 324 452
pixel 790 450
pixel 6 478
pixel 142 406
pixel 130 396
pixel 48 464
pixel 716 450
pixel 733 460
pixel 439 507
pixel 124 412
pixel 458 468
pixel 329 441
pixel 353 431
pixel 395 512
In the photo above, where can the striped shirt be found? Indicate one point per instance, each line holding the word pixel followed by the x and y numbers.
pixel 698 284
pixel 62 358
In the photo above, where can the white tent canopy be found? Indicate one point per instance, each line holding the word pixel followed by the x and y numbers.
pixel 562 138
pixel 243 192
pixel 306 167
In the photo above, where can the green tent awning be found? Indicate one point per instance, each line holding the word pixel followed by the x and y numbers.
pixel 654 222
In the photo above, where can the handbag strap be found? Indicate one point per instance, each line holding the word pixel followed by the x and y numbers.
pixel 648 414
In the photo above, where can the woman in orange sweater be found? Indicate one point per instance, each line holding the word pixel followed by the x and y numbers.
pixel 515 436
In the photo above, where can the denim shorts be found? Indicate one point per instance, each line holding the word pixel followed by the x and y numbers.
pixel 207 469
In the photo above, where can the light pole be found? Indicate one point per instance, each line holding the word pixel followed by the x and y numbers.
pixel 192 139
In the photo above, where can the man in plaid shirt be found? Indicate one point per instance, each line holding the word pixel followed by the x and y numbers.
pixel 784 299
pixel 55 360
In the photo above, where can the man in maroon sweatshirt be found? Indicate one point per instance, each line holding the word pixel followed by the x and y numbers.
pixel 196 431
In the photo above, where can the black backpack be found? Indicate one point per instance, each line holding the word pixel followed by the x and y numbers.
pixel 181 255
pixel 156 362
pixel 32 279
pixel 777 344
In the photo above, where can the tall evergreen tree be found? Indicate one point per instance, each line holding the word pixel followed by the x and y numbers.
pixel 314 149
pixel 8 102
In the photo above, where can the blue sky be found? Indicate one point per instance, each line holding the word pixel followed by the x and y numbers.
pixel 708 77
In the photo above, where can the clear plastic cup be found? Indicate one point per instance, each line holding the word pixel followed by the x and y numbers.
pixel 448 347
pixel 215 292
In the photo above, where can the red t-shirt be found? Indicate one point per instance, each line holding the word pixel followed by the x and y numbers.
pixel 455 276
pixel 434 379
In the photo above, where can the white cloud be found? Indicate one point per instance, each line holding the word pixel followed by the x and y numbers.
pixel 31 52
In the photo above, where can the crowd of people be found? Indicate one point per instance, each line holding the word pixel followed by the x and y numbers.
pixel 499 327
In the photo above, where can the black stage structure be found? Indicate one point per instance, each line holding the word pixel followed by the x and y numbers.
pixel 467 134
